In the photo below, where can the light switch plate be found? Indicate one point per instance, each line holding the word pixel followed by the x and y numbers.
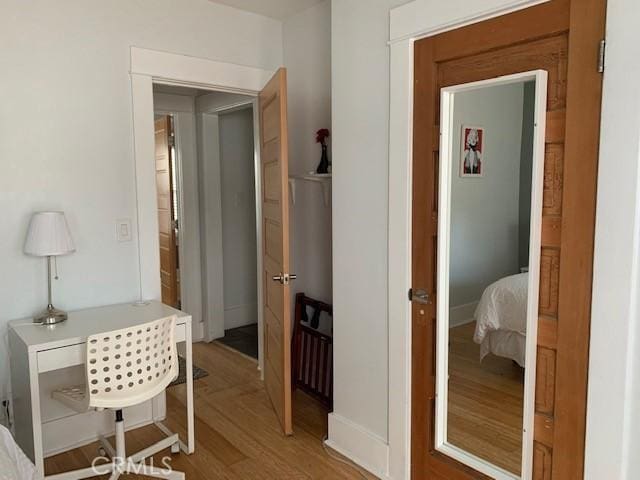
pixel 123 230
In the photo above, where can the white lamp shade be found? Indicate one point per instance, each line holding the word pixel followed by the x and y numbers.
pixel 48 235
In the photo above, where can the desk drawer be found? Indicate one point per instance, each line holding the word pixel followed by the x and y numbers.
pixel 63 357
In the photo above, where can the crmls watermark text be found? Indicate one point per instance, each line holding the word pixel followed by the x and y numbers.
pixel 100 465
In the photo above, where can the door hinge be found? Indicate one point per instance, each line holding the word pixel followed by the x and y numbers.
pixel 172 141
pixel 601 55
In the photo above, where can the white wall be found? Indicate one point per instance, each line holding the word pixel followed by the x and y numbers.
pixel 307 56
pixel 66 129
pixel 485 216
pixel 613 418
pixel 239 247
pixel 360 89
pixel 360 106
pixel 210 188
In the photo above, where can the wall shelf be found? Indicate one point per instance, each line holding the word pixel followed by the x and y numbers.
pixel 324 179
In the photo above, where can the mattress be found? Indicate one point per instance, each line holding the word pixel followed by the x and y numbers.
pixel 501 318
pixel 14 465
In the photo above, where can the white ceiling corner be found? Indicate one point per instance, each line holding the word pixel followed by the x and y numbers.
pixel 278 9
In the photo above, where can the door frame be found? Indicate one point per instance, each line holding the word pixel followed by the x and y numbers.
pixel 409 23
pixel 152 66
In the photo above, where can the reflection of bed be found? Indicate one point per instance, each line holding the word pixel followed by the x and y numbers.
pixel 14 465
pixel 501 318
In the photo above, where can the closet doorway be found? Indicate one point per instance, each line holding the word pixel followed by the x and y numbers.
pixel 457 149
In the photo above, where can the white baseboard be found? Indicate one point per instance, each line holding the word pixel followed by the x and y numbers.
pixel 462 314
pixel 240 315
pixel 362 447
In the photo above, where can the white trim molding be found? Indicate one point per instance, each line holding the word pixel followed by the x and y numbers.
pixel 400 181
pixel 410 22
pixel 171 68
pixel 364 448
pixel 424 18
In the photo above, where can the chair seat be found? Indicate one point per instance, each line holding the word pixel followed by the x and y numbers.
pixel 74 397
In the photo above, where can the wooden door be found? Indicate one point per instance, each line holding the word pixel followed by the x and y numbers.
pixel 561 37
pixel 275 248
pixel 164 188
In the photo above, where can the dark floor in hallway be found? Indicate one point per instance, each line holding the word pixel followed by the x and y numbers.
pixel 243 339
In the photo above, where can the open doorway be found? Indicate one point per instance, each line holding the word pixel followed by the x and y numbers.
pixel 267 92
pixel 209 134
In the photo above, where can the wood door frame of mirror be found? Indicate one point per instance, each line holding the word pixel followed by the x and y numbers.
pixel 571 161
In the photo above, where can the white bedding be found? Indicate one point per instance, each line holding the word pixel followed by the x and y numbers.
pixel 14 465
pixel 501 318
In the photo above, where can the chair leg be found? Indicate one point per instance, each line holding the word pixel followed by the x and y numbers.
pixel 120 457
pixel 155 448
pixel 120 440
pixel 105 445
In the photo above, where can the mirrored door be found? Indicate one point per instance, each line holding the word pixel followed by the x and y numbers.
pixel 561 38
pixel 490 186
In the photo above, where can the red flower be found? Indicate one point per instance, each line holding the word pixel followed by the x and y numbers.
pixel 322 135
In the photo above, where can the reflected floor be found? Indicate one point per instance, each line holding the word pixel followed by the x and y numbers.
pixel 485 402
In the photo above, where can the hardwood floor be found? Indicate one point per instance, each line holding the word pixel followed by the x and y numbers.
pixel 238 435
pixel 485 402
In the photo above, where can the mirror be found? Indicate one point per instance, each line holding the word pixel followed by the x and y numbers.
pixel 492 155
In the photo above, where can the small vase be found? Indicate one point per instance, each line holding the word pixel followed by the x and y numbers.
pixel 323 166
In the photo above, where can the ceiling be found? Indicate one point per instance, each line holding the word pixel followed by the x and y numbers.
pixel 279 9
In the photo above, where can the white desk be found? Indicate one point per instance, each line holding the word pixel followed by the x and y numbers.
pixel 41 356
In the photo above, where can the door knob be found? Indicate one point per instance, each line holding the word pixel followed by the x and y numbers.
pixel 284 278
pixel 419 296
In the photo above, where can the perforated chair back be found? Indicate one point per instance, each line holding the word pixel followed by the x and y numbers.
pixel 130 366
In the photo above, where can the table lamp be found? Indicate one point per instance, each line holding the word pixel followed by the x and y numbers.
pixel 49 236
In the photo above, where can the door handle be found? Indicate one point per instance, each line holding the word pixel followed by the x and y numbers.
pixel 419 295
pixel 285 278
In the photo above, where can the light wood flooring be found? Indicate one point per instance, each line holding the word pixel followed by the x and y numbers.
pixel 485 402
pixel 237 433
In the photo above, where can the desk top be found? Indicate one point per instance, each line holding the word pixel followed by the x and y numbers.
pixel 90 321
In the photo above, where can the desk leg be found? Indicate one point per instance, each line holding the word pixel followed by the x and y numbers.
pixel 191 443
pixel 36 414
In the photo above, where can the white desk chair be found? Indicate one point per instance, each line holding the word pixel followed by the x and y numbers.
pixel 124 368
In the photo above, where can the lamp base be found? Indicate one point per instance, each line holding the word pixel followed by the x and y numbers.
pixel 51 316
